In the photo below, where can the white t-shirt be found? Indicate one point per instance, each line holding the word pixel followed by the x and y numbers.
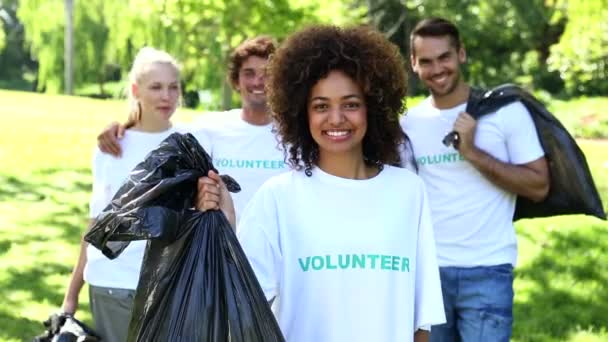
pixel 347 260
pixel 109 173
pixel 248 153
pixel 472 217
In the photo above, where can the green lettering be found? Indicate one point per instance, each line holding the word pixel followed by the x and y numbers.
pixel 303 265
pixel 249 164
pixel 405 264
pixel 266 164
pixel 373 257
pixel 385 260
pixel 329 266
pixel 359 259
pixel 395 264
pixel 318 265
pixel 344 264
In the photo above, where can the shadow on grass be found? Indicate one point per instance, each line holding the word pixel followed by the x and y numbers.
pixel 50 212
pixel 31 284
pixel 38 187
pixel 18 328
pixel 566 286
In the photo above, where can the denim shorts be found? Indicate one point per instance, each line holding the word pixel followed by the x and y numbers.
pixel 478 304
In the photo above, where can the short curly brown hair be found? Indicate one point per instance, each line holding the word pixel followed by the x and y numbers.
pixel 362 53
pixel 261 46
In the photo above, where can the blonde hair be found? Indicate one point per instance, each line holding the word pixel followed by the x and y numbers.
pixel 144 58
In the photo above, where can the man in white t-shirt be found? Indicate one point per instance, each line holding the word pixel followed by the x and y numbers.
pixel 240 141
pixel 472 187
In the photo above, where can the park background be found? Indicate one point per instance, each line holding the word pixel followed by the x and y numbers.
pixel 558 49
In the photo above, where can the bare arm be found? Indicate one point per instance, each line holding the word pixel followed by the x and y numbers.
pixel 530 180
pixel 421 336
pixel 70 301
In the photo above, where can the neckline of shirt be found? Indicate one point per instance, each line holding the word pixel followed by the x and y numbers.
pixel 329 178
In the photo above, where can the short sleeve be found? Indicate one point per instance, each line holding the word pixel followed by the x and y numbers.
pixel 102 192
pixel 258 233
pixel 522 140
pixel 428 307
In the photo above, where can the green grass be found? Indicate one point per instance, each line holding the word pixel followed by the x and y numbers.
pixel 45 151
pixel 584 117
pixel 562 278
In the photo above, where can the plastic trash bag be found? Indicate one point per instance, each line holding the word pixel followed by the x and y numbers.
pixel 572 190
pixel 65 328
pixel 196 283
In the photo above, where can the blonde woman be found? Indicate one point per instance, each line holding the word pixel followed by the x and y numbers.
pixel 153 92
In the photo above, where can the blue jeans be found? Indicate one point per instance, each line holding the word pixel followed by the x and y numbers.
pixel 478 303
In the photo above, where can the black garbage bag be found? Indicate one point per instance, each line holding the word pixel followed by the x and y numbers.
pixel 61 327
pixel 196 283
pixel 572 190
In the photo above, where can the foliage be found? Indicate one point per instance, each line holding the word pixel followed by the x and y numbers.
pixel 46 40
pixel 14 59
pixel 583 116
pixel 543 44
pixel 581 56
pixel 200 34
pixel 2 40
pixel 499 36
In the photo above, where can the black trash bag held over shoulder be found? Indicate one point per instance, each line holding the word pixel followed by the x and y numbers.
pixel 196 283
pixel 572 190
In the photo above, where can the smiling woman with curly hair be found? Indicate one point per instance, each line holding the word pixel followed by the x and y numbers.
pixel 363 55
pixel 343 242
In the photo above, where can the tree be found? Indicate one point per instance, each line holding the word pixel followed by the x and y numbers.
pixel 199 33
pixel 45 39
pixel 581 56
pixel 14 59
pixel 499 36
pixel 68 47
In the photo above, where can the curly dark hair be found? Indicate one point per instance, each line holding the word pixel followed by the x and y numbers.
pixel 261 46
pixel 360 52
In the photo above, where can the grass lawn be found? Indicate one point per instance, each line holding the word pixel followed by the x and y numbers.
pixel 45 151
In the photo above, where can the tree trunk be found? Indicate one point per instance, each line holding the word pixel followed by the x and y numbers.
pixel 69 47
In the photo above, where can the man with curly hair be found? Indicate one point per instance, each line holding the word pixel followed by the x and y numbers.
pixel 240 141
pixel 472 189
pixel 343 243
